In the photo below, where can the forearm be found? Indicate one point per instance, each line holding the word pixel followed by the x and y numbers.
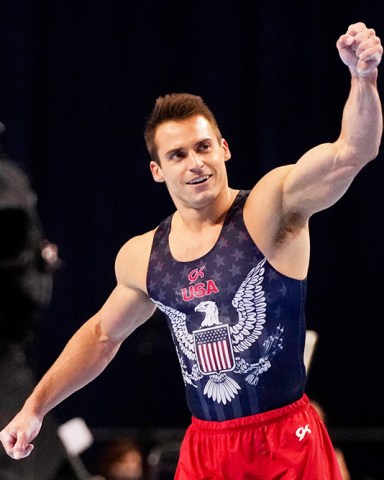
pixel 84 357
pixel 362 122
pixel 324 173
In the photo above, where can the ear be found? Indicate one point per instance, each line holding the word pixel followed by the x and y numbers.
pixel 226 150
pixel 156 172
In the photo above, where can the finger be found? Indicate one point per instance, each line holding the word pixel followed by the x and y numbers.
pixel 371 55
pixel 356 28
pixel 24 452
pixel 369 47
pixel 22 448
pixel 365 40
pixel 345 41
pixel 8 441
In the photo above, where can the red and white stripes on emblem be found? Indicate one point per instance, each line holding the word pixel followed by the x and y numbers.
pixel 214 353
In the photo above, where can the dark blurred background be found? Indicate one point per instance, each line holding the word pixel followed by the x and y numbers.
pixel 78 79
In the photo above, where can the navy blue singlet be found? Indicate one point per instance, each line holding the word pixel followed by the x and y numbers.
pixel 237 324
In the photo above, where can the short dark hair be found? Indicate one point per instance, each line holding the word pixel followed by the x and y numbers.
pixel 175 106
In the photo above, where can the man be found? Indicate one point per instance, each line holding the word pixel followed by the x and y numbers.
pixel 238 330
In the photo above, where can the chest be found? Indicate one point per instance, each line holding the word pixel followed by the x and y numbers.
pixel 186 246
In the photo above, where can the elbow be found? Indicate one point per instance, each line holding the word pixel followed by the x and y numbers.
pixel 357 158
pixel 369 155
pixel 375 153
pixel 108 346
pixel 358 149
pixel 372 148
pixel 103 338
pixel 368 152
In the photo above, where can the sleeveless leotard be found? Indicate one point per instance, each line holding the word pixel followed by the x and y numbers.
pixel 237 324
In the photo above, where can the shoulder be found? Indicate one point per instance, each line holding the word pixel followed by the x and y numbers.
pixel 138 243
pixel 132 261
pixel 265 199
pixel 273 181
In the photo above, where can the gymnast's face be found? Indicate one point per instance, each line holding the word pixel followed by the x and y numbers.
pixel 191 160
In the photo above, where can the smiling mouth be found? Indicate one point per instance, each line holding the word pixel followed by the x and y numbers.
pixel 199 180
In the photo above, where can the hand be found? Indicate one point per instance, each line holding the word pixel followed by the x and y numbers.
pixel 18 434
pixel 360 49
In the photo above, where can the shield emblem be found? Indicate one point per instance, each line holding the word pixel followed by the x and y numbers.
pixel 214 349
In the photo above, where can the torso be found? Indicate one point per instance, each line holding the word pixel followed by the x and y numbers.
pixel 226 291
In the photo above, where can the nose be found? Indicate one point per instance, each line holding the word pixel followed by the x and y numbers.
pixel 195 161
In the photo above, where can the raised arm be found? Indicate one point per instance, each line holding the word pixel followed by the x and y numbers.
pixel 281 203
pixel 324 173
pixel 87 353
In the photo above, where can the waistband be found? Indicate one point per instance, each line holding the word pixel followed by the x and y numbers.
pixel 257 420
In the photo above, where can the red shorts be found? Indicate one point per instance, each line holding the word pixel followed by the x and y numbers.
pixel 289 443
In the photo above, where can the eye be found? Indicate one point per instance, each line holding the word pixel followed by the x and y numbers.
pixel 204 147
pixel 177 155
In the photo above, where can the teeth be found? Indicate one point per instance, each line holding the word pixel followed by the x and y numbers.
pixel 199 180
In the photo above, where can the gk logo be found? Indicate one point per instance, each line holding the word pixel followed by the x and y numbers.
pixel 195 274
pixel 302 431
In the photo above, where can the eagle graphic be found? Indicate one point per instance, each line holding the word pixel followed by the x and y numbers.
pixel 215 348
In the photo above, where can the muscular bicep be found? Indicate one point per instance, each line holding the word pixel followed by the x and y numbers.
pixel 128 306
pixel 317 181
pixel 278 208
pixel 124 311
pixel 281 203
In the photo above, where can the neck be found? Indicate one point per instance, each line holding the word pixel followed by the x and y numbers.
pixel 187 217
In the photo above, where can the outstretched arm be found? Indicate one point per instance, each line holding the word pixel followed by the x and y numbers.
pixel 84 357
pixel 324 173
pixel 286 197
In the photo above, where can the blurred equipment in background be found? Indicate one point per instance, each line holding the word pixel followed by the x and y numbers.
pixel 339 454
pixel 163 459
pixel 311 339
pixel 27 265
pixel 27 260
